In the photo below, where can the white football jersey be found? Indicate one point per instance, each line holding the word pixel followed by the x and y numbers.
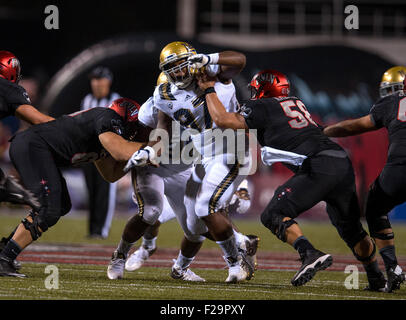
pixel 148 114
pixel 189 108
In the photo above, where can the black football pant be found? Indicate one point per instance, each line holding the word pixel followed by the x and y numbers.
pixel 320 178
pixel 35 161
pixel 101 193
pixel 386 192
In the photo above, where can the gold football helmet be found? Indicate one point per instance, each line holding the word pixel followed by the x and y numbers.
pixel 173 62
pixel 392 81
pixel 161 79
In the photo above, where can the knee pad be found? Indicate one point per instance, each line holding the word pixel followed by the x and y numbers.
pixel 150 205
pixel 365 259
pixel 196 225
pixel 41 223
pixel 376 224
pixel 273 220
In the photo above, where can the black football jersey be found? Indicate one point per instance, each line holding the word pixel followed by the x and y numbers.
pixel 284 123
pixel 75 137
pixel 390 112
pixel 11 97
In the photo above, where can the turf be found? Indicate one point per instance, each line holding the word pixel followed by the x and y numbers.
pixel 89 282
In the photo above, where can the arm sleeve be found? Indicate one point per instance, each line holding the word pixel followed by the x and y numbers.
pixel 15 97
pixel 379 111
pixel 254 113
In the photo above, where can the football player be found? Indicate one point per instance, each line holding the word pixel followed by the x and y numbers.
pixel 14 101
pixel 105 136
pixel 326 174
pixel 215 179
pixel 159 194
pixel 388 190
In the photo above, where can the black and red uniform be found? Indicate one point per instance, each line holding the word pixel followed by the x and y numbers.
pixel 39 152
pixel 325 175
pixel 389 189
pixel 11 97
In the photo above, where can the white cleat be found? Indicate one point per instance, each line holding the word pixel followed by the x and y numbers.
pixel 137 259
pixel 115 270
pixel 248 250
pixel 185 274
pixel 236 270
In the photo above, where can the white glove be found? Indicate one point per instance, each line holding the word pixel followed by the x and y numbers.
pixel 140 158
pixel 240 205
pixel 201 60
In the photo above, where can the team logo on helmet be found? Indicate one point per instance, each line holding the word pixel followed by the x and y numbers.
pixel 14 63
pixel 266 77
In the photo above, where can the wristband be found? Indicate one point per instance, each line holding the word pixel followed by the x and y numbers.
pixel 209 90
pixel 214 58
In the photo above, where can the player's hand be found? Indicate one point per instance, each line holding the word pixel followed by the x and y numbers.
pixel 198 61
pixel 240 202
pixel 140 158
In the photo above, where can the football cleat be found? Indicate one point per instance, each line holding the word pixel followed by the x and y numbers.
pixel 395 278
pixel 377 284
pixel 313 261
pixel 185 274
pixel 115 270
pixel 237 270
pixel 137 259
pixel 12 191
pixel 248 251
pixel 7 268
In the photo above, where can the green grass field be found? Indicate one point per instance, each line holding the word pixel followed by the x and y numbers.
pixel 153 283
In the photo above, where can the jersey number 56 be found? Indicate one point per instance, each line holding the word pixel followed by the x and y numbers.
pixel 301 119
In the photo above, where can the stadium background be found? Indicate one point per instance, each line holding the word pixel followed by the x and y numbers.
pixel 334 70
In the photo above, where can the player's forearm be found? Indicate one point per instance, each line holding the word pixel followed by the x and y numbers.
pixel 124 150
pixel 232 63
pixel 342 129
pixel 219 115
pixel 119 148
pixel 31 115
pixel 232 58
pixel 110 169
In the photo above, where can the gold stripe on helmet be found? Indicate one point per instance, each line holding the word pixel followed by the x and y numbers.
pixel 175 51
pixel 161 79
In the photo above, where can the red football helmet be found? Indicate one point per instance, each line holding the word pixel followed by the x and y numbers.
pixel 126 108
pixel 10 68
pixel 269 83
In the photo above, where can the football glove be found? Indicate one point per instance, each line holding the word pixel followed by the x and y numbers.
pixel 140 158
pixel 201 60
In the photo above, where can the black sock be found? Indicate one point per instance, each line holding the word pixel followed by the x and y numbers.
pixel 372 270
pixel 302 245
pixel 11 250
pixel 389 257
